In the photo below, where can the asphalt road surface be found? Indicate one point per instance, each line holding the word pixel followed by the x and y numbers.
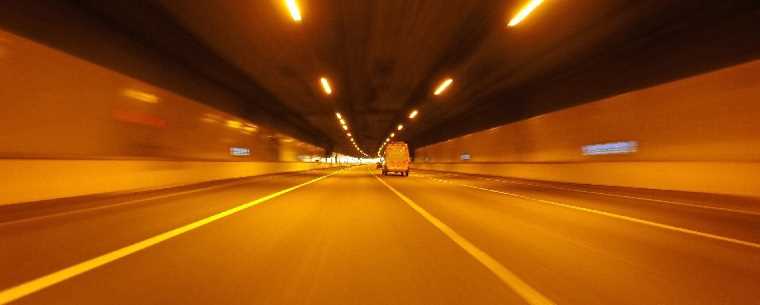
pixel 352 236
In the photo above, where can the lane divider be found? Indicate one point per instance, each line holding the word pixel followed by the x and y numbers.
pixel 35 285
pixel 617 216
pixel 512 281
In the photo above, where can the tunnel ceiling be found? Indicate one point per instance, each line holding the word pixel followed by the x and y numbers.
pixel 385 58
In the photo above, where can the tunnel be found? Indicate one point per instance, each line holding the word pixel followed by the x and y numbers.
pixel 380 152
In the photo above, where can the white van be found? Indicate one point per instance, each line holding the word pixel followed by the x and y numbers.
pixel 396 158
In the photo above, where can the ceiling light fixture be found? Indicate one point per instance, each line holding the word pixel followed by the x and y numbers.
pixel 443 86
pixel 325 85
pixel 400 127
pixel 524 12
pixel 413 114
pixel 295 12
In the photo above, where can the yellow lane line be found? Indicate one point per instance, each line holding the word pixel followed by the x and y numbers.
pixel 524 290
pixel 22 290
pixel 621 217
pixel 152 198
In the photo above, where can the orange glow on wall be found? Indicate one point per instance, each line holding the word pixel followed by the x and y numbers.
pixel 140 96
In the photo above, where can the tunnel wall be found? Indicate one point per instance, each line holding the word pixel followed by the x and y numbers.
pixel 696 134
pixel 71 128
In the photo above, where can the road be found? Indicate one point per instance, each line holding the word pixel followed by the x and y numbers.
pixel 351 236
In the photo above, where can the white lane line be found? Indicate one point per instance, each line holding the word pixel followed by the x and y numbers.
pixel 128 202
pixel 512 281
pixel 699 206
pixel 678 203
pixel 621 217
pixel 35 285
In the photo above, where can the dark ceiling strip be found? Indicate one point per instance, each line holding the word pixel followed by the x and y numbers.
pixel 462 45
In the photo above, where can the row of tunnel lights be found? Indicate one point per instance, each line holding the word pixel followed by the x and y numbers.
pixel 295 13
pixel 344 125
pixel 442 87
pixel 445 84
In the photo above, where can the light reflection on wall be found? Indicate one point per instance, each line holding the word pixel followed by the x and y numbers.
pixel 234 124
pixel 708 117
pixel 211 118
pixel 103 114
pixel 140 96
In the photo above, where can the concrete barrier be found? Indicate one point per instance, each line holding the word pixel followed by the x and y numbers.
pixel 33 180
pixel 733 178
pixel 696 134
